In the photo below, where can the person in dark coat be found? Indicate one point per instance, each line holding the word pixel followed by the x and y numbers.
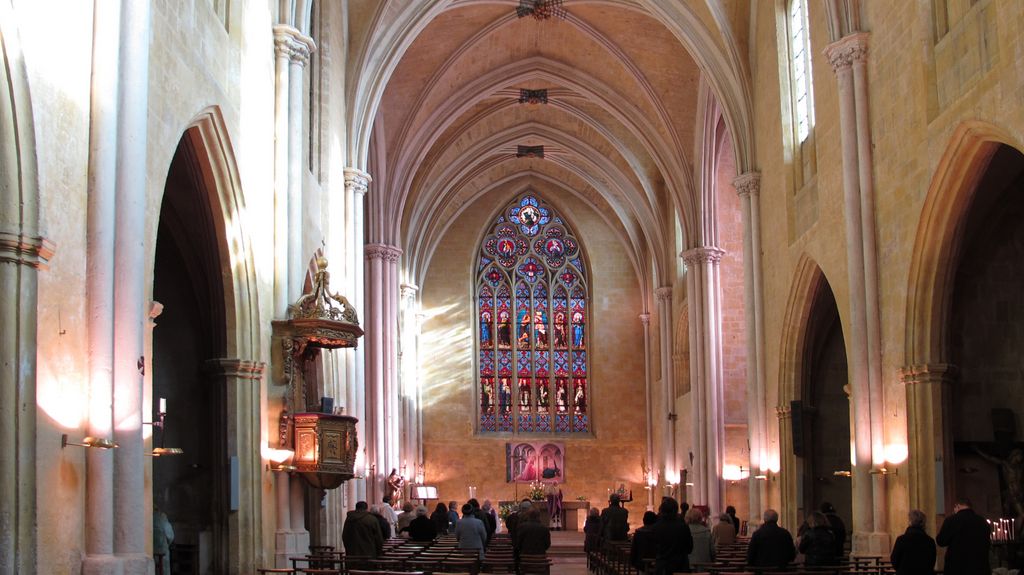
pixel 422 528
pixel 490 523
pixel 818 543
pixel 770 545
pixel 731 511
pixel 672 540
pixel 532 538
pixel 592 531
pixel 513 519
pixel 966 535
pixel 440 518
pixel 378 511
pixel 914 551
pixel 614 520
pixel 644 546
pixel 837 526
pixel 361 534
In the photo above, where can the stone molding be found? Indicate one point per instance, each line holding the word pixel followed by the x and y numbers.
pixel 845 52
pixel 944 373
pixel 293 44
pixel 663 293
pixel 26 251
pixel 234 367
pixel 356 181
pixel 783 411
pixel 702 255
pixel 748 184
pixel 645 318
pixel 408 291
pixel 384 252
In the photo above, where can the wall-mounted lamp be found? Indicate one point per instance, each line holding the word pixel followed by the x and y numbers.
pixel 281 468
pixel 766 476
pixel 165 451
pixel 884 471
pixel 842 473
pixel 97 442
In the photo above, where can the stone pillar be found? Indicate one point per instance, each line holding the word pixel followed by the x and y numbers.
pixel 131 528
pixel 748 187
pixel 380 410
pixel 869 536
pixel 392 390
pixel 408 378
pixel 670 468
pixel 99 480
pixel 930 461
pixel 706 317
pixel 645 320
pixel 356 184
pixel 791 495
pixel 241 381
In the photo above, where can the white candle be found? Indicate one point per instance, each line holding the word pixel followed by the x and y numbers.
pixel 163 405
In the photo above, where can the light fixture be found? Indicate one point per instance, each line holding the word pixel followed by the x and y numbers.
pixel 165 451
pixel 281 468
pixel 842 473
pixel 540 9
pixel 97 442
pixel 884 471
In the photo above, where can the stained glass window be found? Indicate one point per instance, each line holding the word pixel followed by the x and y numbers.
pixel 532 308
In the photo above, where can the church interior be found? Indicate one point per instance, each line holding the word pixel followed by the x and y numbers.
pixel 264 259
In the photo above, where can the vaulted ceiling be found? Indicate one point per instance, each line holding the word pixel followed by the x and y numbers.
pixel 628 83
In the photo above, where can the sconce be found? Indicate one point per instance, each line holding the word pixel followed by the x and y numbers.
pixel 281 468
pixel 161 421
pixel 97 442
pixel 766 476
pixel 842 473
pixel 165 451
pixel 884 471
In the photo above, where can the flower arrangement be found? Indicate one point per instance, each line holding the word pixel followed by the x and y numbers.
pixel 582 498
pixel 536 492
pixel 505 510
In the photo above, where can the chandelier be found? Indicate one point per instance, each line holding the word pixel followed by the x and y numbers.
pixel 540 9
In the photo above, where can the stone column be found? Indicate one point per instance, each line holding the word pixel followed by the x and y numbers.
pixel 670 468
pixel 131 528
pixel 392 390
pixel 652 466
pixel 748 187
pixel 356 184
pixel 869 499
pixel 99 481
pixel 930 461
pixel 408 378
pixel 375 398
pixel 241 380
pixel 791 489
pixel 706 318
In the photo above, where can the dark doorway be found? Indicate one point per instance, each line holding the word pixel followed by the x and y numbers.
pixel 825 411
pixel 986 339
pixel 191 488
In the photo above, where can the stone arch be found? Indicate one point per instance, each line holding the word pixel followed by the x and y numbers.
pixel 23 252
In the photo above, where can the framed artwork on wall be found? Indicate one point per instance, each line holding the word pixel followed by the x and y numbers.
pixel 540 461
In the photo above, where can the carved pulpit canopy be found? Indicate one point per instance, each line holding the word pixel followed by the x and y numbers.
pixel 318 320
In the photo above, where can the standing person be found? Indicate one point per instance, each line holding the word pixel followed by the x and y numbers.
pixel 440 518
pixel 489 510
pixel 723 533
pixel 387 511
pixel 163 536
pixel 731 511
pixel 615 520
pixel 453 516
pixel 672 539
pixel 422 528
pixel 361 534
pixel 532 538
pixel 817 543
pixel 470 531
pixel 837 526
pixel 914 551
pixel 592 531
pixel 771 545
pixel 512 521
pixel 385 526
pixel 490 524
pixel 644 547
pixel 405 518
pixel 703 548
pixel 966 534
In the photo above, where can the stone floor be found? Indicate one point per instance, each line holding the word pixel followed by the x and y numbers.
pixel 566 553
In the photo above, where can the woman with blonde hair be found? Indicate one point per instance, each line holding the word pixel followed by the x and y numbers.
pixel 703 549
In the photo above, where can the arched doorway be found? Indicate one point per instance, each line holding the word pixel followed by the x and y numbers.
pixel 821 416
pixel 985 334
pixel 191 488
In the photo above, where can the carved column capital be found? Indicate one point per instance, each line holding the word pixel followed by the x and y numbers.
pixel 748 184
pixel 23 250
pixel 783 411
pixel 942 373
pixel 408 291
pixel 356 181
pixel 663 294
pixel 384 252
pixel 234 367
pixel 291 43
pixel 702 255
pixel 645 318
pixel 848 50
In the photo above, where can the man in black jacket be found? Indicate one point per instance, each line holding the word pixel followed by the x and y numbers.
pixel 966 534
pixel 914 551
pixel 673 540
pixel 837 527
pixel 771 545
pixel 615 520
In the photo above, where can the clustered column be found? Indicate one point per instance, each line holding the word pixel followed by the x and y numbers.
pixel 409 380
pixel 848 58
pixel 356 184
pixel 645 320
pixel 928 404
pixel 670 468
pixel 748 187
pixel 704 288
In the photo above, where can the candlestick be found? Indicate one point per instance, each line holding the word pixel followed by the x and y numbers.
pixel 163 405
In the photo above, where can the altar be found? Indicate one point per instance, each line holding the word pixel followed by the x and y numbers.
pixel 574 513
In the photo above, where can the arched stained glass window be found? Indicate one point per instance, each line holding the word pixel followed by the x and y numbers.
pixel 532 306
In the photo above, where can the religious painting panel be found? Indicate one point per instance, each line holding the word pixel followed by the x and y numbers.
pixel 535 461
